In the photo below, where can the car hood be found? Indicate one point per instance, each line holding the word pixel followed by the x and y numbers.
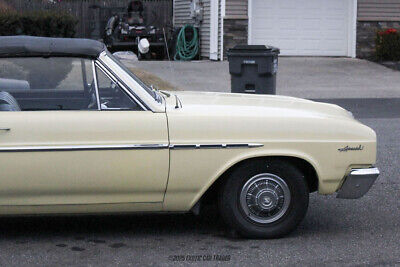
pixel 246 104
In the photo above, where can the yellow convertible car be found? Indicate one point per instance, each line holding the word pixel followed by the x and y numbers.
pixel 79 133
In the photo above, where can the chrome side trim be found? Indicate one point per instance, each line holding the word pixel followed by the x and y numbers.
pixel 214 146
pixel 123 147
pixel 82 147
pixel 255 145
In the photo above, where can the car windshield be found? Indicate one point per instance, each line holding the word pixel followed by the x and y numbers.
pixel 149 81
pixel 142 84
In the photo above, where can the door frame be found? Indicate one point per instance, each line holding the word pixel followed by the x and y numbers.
pixel 351 26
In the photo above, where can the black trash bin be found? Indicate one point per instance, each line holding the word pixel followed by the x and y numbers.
pixel 253 69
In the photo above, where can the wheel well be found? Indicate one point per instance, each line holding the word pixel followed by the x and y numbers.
pixel 210 196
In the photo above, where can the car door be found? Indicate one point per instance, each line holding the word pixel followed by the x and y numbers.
pixel 76 141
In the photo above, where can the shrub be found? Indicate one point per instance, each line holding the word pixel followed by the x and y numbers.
pixel 388 45
pixel 40 23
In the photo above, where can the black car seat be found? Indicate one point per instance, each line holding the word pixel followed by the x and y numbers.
pixel 8 102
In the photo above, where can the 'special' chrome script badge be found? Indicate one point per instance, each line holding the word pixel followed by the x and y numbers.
pixel 351 148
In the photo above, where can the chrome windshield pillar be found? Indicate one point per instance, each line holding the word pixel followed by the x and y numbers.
pixel 130 82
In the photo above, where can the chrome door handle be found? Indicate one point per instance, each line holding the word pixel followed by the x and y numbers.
pixel 5 129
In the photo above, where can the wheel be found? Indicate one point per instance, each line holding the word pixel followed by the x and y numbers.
pixel 264 198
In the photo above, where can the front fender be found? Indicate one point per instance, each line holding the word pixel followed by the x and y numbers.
pixel 193 172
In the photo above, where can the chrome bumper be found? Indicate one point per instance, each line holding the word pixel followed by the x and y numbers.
pixel 357 183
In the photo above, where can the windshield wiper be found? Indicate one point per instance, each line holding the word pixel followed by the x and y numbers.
pixel 165 93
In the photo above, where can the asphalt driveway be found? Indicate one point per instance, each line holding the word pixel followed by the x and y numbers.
pixel 335 232
pixel 306 77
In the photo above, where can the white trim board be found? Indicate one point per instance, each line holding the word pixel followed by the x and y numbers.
pixel 223 10
pixel 214 17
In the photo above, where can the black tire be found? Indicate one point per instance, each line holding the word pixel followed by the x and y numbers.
pixel 232 210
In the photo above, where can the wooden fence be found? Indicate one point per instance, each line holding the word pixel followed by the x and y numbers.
pixel 94 14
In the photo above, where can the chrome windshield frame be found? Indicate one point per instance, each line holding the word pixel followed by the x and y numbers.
pixel 137 92
pixel 96 86
pixel 115 80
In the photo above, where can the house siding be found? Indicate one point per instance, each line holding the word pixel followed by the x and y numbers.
pixel 378 10
pixel 374 15
pixel 181 13
pixel 205 30
pixel 236 9
pixel 182 16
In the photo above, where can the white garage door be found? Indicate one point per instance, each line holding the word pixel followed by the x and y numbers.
pixel 304 27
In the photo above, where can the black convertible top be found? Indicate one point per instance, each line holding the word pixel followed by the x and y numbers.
pixel 29 46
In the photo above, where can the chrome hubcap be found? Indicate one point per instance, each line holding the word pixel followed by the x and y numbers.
pixel 265 198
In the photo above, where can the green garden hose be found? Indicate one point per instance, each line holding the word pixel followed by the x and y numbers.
pixel 187 49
